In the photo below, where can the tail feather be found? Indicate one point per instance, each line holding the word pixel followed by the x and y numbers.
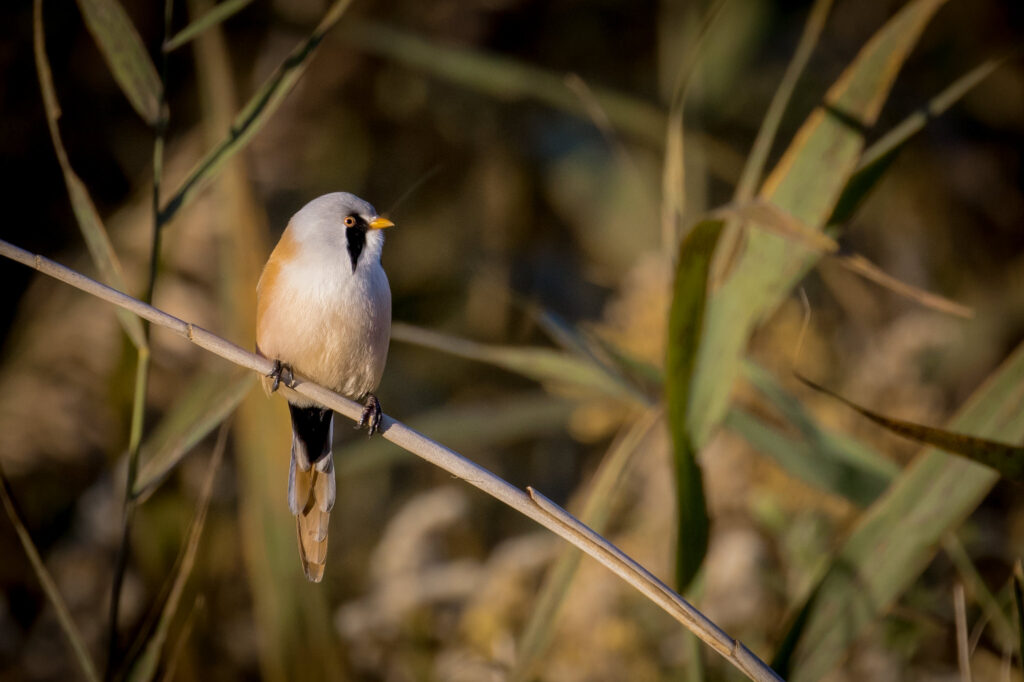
pixel 324 484
pixel 311 484
pixel 313 551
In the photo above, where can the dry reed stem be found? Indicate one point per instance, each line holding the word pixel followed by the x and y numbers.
pixel 530 503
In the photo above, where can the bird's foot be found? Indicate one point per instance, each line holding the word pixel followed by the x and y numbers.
pixel 371 415
pixel 281 372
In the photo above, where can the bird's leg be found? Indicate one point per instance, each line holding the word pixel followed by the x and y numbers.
pixel 371 415
pixel 281 372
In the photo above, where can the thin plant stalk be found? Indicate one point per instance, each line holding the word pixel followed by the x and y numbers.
pixel 141 369
pixel 530 503
pixel 67 624
pixel 963 649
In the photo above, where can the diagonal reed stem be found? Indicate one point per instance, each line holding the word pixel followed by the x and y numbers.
pixel 530 503
pixel 49 586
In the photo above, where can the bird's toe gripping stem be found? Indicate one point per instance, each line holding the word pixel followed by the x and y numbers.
pixel 281 372
pixel 371 415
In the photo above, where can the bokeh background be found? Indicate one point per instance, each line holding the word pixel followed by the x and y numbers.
pixel 515 216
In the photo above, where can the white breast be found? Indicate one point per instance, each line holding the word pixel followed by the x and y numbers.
pixel 328 323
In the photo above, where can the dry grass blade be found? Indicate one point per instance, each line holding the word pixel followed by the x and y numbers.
pixel 49 587
pixel 865 268
pixel 532 505
pixel 125 55
pixel 1007 459
pixel 89 221
pixel 220 13
pixel 145 666
pixel 260 107
pixel 963 648
pixel 771 217
pixel 673 175
pixel 543 615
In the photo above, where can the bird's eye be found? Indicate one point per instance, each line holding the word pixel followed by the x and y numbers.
pixel 350 221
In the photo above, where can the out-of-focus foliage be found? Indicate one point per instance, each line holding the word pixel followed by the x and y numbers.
pixel 519 148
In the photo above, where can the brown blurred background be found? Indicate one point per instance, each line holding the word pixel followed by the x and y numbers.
pixel 510 207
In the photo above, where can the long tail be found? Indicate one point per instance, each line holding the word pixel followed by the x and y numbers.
pixel 311 487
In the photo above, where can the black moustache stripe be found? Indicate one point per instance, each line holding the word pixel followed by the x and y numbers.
pixel 356 237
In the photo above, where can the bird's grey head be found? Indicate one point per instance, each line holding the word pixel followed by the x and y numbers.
pixel 341 221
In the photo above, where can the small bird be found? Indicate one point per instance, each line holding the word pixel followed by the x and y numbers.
pixel 323 311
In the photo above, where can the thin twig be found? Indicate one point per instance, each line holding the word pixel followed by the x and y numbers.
pixel 963 650
pixel 531 504
pixel 49 586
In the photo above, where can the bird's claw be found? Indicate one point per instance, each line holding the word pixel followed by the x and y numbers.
pixel 371 415
pixel 281 372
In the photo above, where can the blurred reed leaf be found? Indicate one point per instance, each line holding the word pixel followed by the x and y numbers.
pixel 823 462
pixel 595 513
pixel 592 347
pixel 685 335
pixel 806 183
pixel 89 221
pixel 821 457
pixel 894 540
pixel 145 666
pixel 1006 459
pixel 876 158
pixel 541 364
pixel 67 624
pixel 126 56
pixel 219 13
pixel 260 107
pixel 566 335
pixel 472 427
pixel 508 79
pixel 504 78
pixel 203 405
